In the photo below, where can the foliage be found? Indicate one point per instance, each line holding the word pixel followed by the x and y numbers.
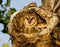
pixel 5 45
pixel 5 12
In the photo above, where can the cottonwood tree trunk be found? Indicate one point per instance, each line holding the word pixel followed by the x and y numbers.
pixel 49 36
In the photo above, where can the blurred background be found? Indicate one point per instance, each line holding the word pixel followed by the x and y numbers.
pixel 8 7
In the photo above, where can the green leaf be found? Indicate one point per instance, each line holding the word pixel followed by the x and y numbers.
pixel 11 11
pixel 8 14
pixel 1 17
pixel 5 30
pixel 8 3
pixel 1 21
pixel 0 1
pixel 0 11
pixel 6 20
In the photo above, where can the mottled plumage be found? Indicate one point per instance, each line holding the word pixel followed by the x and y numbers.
pixel 32 26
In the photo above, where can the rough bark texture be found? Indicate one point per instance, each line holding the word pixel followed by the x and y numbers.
pixel 45 32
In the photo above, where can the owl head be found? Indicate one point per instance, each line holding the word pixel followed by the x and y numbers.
pixel 30 19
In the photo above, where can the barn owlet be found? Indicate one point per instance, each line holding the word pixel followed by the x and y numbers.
pixel 30 21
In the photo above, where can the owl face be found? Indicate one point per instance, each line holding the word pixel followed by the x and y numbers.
pixel 30 19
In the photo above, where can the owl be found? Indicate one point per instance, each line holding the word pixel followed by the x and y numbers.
pixel 28 25
pixel 30 21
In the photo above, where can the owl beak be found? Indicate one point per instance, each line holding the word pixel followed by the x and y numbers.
pixel 29 21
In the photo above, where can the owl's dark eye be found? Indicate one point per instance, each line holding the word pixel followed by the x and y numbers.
pixel 32 18
pixel 39 28
pixel 26 18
